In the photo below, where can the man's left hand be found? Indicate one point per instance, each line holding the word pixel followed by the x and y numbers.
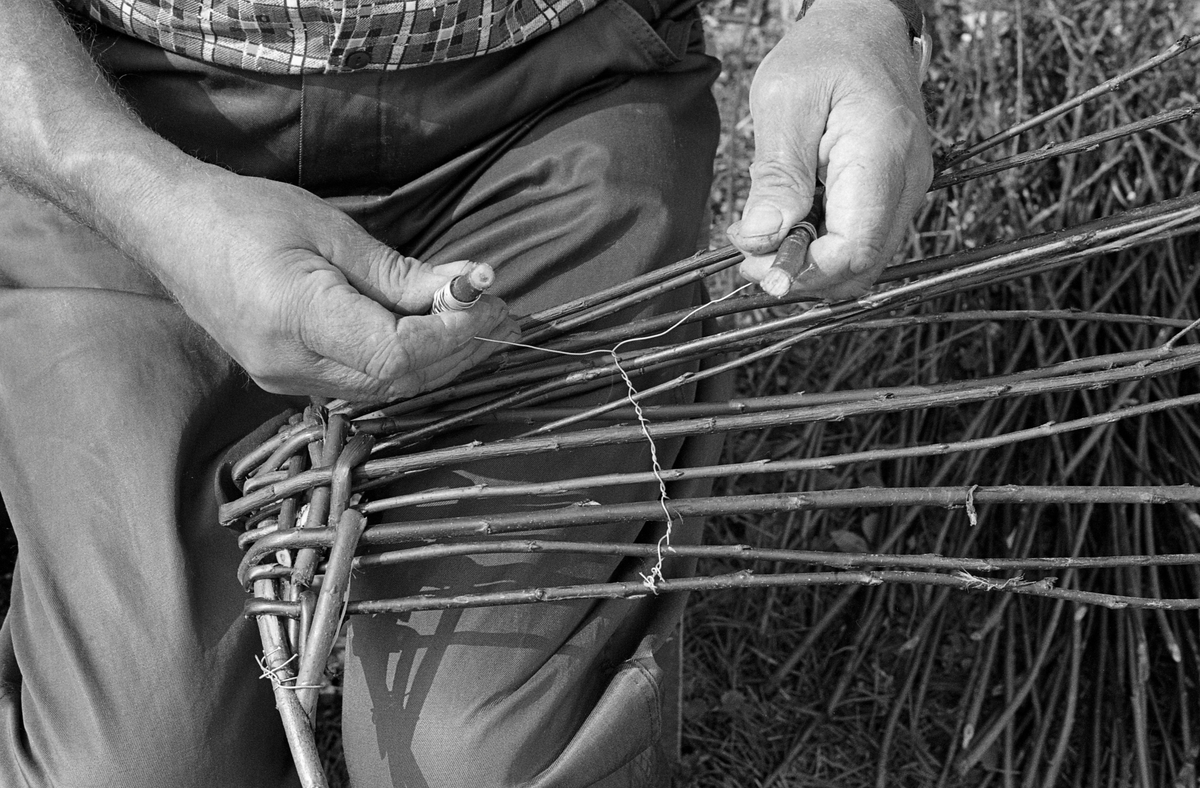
pixel 837 99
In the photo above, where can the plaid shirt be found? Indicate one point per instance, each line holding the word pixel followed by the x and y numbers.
pixel 325 36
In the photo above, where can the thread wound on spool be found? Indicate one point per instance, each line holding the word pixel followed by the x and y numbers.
pixel 789 260
pixel 464 290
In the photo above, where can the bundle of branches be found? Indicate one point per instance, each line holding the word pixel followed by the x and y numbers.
pixel 902 685
pixel 1048 448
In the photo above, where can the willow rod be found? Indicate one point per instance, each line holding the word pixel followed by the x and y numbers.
pixel 532 415
pixel 748 553
pixel 755 467
pixel 297 724
pixel 759 467
pixel 394 467
pixel 583 340
pixel 1108 86
pixel 742 552
pixel 260 454
pixel 715 260
pixel 1142 216
pixel 1052 150
pixel 634 589
pixel 573 516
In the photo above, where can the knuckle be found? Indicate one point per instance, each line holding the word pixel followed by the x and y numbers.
pixel 388 270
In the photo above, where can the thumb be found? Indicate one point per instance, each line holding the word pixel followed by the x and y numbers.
pixel 424 280
pixel 784 172
pixel 405 285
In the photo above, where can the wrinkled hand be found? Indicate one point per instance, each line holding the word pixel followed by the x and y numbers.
pixel 838 98
pixel 305 300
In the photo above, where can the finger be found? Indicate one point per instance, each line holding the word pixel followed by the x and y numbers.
pixel 870 211
pixel 848 278
pixel 788 124
pixel 808 279
pixel 328 378
pixel 324 378
pixel 446 369
pixel 444 272
pixel 404 285
pixel 422 281
pixel 865 183
pixel 342 325
pixel 478 349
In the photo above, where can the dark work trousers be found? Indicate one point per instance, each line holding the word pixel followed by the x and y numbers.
pixel 578 160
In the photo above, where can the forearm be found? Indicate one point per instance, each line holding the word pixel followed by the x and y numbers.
pixel 67 137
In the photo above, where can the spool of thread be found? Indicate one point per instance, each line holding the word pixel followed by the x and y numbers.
pixel 790 267
pixel 464 290
pixel 789 260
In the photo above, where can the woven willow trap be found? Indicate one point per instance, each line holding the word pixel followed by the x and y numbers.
pixel 307 492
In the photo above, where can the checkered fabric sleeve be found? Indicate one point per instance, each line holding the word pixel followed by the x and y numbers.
pixel 326 36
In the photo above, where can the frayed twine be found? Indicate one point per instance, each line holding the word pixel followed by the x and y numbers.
pixel 279 674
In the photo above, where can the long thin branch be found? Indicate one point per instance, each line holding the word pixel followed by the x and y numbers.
pixel 577 516
pixel 633 589
pixel 383 469
pixel 534 415
pixel 748 553
pixel 757 467
pixel 1108 86
pixel 1054 149
pixel 709 262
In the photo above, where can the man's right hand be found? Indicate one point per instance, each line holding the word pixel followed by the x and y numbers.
pixel 303 298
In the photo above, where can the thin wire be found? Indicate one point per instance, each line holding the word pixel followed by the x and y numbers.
pixel 654 576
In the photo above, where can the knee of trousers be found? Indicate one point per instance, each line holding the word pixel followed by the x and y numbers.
pixel 243 747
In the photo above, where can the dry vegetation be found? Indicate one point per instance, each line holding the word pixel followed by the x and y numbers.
pixel 920 686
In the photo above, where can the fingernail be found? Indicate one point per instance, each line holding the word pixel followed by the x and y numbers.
pixel 761 221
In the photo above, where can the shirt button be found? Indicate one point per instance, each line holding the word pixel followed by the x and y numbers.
pixel 357 59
